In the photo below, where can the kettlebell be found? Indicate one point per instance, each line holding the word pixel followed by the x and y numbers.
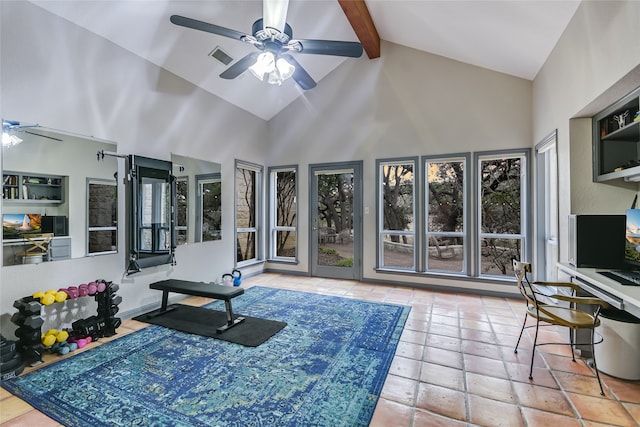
pixel 237 277
pixel 227 279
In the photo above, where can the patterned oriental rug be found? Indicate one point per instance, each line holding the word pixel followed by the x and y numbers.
pixel 326 368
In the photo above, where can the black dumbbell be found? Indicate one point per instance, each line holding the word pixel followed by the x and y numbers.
pixel 31 354
pixel 28 335
pixel 7 350
pixel 28 305
pixel 33 321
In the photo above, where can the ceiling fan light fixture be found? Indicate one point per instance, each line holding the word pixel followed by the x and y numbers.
pixel 273 71
pixel 284 68
pixel 265 64
pixel 8 137
pixel 10 140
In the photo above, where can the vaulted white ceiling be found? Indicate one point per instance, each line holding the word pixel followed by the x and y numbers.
pixel 512 37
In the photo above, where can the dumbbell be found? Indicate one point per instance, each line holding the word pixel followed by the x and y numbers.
pixel 28 305
pixel 101 286
pixel 80 342
pixel 72 292
pixel 83 290
pixel 53 336
pixel 28 335
pixel 7 350
pixel 34 321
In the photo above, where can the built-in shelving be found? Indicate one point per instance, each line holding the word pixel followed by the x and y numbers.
pixel 616 141
pixel 28 188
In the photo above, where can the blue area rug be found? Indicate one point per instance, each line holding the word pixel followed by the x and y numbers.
pixel 326 368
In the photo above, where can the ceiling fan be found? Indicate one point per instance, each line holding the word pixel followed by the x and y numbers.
pixel 273 38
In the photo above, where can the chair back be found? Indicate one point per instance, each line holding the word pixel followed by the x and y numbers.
pixel 524 286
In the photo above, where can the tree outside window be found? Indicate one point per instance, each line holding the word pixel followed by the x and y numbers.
pixel 397 190
pixel 284 212
pixel 247 181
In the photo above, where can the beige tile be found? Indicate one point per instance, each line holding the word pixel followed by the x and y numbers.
pixel 483 349
pixel 400 389
pixel 443 401
pixel 442 376
pixel 441 356
pixel 485 366
pixel 388 413
pixel 404 367
pixel 487 412
pixel 424 418
pixel 31 419
pixel 601 409
pixel 410 350
pixel 12 407
pixel 490 387
pixel 537 418
pixel 543 398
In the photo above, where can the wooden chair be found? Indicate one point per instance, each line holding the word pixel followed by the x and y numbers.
pixel 38 249
pixel 538 297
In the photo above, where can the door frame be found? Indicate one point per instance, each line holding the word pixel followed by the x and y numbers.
pixel 355 272
pixel 547 209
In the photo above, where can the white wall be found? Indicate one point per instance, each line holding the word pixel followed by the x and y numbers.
pixel 596 62
pixel 63 77
pixel 406 103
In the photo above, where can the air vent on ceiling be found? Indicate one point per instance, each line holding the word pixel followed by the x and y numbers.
pixel 221 55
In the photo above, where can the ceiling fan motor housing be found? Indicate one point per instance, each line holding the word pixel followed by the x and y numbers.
pixel 262 34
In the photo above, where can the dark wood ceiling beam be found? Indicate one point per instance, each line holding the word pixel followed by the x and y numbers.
pixel 358 15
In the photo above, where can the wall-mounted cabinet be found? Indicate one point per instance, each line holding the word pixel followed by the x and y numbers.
pixel 616 140
pixel 29 188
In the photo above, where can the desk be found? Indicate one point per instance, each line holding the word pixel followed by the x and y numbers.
pixel 623 297
pixel 59 248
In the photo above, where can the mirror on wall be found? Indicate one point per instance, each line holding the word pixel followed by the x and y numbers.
pixel 198 200
pixel 49 206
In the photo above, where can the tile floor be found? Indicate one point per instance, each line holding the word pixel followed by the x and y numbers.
pixel 454 366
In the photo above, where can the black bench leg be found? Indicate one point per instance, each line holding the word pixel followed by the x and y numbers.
pixel 230 321
pixel 163 307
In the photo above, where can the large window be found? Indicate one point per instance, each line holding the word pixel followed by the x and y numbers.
pixel 502 199
pixel 445 220
pixel 248 210
pixel 102 221
pixel 396 216
pixel 283 213
pixel 439 234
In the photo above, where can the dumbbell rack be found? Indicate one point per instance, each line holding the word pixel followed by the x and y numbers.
pixel 29 322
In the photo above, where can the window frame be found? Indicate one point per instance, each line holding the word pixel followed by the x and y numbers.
pixel 525 208
pixel 274 228
pixel 465 158
pixel 381 231
pixel 184 227
pixel 89 228
pixel 258 213
pixel 200 180
pixel 472 210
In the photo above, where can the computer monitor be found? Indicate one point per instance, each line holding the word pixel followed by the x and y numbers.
pixel 632 240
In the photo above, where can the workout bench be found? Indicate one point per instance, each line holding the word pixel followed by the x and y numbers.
pixel 199 289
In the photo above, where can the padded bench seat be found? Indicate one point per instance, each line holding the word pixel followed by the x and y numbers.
pixel 199 289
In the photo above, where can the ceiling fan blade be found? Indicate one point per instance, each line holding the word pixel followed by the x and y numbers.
pixel 240 67
pixel 274 13
pixel 330 47
pixel 300 75
pixel 206 27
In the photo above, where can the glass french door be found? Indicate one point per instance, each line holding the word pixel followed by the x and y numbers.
pixel 336 220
